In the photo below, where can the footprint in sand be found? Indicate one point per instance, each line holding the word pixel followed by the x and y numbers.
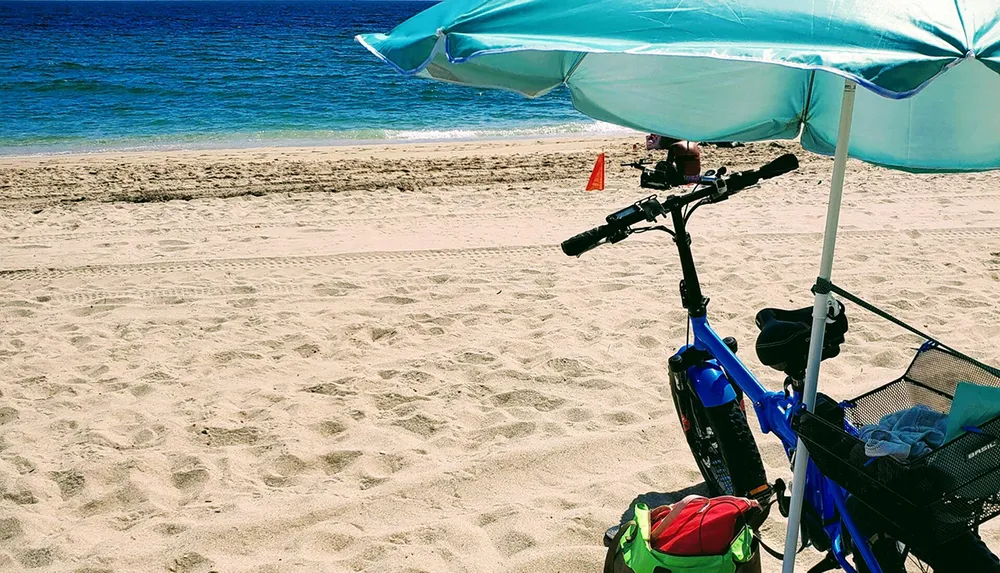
pixel 622 418
pixel 231 355
pixel 336 462
pixel 128 498
pixel 331 428
pixel 527 399
pixel 578 414
pixel 22 465
pixel 648 342
pixel 282 471
pixel 149 436
pixel 245 436
pixel 190 563
pixel 324 542
pixel 170 528
pixel 35 558
pixel 514 542
pixel 339 388
pixel 511 431
pixel 417 378
pixel 96 371
pixel 396 300
pixel 158 377
pixel 188 474
pixel 18 494
pixel 379 333
pixel 476 358
pixel 420 424
pixel 70 482
pixel 390 400
pixel 7 415
pixel 336 288
pixel 20 312
pixel 93 309
pixel 611 287
pixel 140 390
pixel 569 367
pixel 10 528
pixel 80 342
pixel 307 350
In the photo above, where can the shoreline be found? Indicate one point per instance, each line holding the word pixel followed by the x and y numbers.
pixel 306 143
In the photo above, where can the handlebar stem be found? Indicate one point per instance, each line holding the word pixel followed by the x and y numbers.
pixel 691 296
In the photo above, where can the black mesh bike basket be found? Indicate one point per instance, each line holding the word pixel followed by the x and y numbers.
pixel 929 499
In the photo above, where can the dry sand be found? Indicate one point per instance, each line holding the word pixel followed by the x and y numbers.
pixel 376 359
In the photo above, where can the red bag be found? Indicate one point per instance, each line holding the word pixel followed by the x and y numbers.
pixel 698 525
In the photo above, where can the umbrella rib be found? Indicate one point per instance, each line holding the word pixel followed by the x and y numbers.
pixel 965 31
pixel 809 93
pixel 576 65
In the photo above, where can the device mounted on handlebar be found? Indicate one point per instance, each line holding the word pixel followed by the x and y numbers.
pixel 712 187
pixel 661 176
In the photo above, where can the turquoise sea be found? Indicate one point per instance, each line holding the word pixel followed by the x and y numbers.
pixel 92 75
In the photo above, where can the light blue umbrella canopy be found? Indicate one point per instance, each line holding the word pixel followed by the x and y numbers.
pixel 731 70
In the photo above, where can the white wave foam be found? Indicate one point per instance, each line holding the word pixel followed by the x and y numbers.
pixel 594 128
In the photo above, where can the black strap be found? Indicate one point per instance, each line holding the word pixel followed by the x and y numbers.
pixel 767 548
pixel 779 498
pixel 824 286
pixel 774 552
pixel 615 547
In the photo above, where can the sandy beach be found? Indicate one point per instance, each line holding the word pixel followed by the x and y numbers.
pixel 377 358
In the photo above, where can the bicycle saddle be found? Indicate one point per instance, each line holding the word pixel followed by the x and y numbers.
pixel 783 342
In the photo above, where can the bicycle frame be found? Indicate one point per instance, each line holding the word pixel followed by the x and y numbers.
pixel 712 380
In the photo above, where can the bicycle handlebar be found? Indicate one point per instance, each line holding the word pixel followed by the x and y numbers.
pixel 784 164
pixel 583 242
pixel 714 188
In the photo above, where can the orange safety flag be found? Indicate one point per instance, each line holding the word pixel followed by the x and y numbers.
pixel 596 182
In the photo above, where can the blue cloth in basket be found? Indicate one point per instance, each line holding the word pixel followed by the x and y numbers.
pixel 906 434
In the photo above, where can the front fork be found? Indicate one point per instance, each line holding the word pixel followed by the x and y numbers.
pixel 708 380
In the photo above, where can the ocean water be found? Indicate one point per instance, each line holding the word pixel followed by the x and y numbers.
pixel 92 75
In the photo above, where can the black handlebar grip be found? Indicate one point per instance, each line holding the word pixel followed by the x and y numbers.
pixel 579 244
pixel 780 166
pixel 740 181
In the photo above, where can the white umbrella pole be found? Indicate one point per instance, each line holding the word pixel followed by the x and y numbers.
pixel 819 319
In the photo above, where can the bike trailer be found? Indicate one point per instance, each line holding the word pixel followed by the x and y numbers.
pixel 927 499
pixel 695 535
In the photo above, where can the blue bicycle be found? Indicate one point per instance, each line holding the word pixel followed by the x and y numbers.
pixel 709 385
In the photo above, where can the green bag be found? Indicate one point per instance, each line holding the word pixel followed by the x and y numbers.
pixel 631 552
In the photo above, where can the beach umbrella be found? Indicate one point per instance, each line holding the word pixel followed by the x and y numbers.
pixel 733 70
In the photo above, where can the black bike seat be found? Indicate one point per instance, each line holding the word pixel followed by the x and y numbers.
pixel 770 316
pixel 783 343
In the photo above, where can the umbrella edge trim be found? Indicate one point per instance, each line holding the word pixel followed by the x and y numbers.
pixel 438 47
